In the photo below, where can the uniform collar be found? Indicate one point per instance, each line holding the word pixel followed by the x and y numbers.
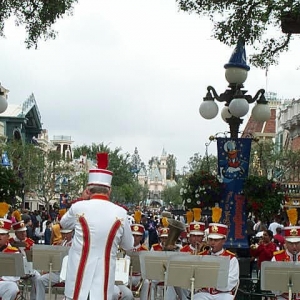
pixel 100 197
pixel 218 253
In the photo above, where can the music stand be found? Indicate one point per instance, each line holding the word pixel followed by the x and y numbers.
pixel 135 266
pixel 48 258
pixel 154 264
pixel 280 276
pixel 122 271
pixel 11 264
pixel 187 271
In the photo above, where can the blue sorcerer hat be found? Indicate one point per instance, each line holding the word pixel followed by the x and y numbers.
pixel 238 57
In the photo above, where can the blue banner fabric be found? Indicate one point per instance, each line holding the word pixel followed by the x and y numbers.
pixel 233 166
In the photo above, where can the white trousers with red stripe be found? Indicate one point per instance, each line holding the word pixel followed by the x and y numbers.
pixel 208 296
pixel 8 290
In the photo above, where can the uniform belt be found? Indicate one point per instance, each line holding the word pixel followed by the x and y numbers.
pixel 286 296
pixel 136 274
pixel 213 291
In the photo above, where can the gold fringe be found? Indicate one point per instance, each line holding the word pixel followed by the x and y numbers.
pixel 189 216
pixel 292 215
pixel 165 222
pixel 216 214
pixel 137 216
pixel 62 211
pixel 17 215
pixel 197 214
pixel 4 207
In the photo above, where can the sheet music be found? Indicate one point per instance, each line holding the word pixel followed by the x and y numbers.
pixel 122 270
pixel 63 271
pixel 28 268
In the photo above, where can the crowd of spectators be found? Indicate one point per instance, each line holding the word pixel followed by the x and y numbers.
pixel 39 224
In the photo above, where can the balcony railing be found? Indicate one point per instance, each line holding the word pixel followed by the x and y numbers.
pixel 62 138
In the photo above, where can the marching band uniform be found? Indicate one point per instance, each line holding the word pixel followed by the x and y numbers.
pixel 170 293
pixel 43 281
pixel 292 235
pixel 92 256
pixel 20 229
pixel 196 229
pixel 139 230
pixel 163 233
pixel 216 232
pixel 8 284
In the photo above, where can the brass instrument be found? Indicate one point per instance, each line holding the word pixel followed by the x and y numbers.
pixel 200 247
pixel 176 227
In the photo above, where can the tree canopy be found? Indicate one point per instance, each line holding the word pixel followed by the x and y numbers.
pixel 38 17
pixel 258 23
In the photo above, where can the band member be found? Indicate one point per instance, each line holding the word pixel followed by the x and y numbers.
pixel 196 235
pixel 292 249
pixel 24 243
pixel 138 231
pixel 216 239
pixel 8 284
pixel 42 282
pixel 163 236
pixel 100 228
pixel 196 246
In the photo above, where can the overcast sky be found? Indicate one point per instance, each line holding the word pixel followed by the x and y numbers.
pixel 131 73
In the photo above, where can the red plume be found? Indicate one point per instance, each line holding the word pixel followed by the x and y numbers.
pixel 102 160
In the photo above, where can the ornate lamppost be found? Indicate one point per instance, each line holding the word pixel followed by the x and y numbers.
pixel 235 98
pixel 234 152
pixel 3 100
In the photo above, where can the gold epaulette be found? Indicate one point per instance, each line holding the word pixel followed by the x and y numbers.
pixel 144 247
pixel 155 244
pixel 278 252
pixel 231 253
pixel 12 248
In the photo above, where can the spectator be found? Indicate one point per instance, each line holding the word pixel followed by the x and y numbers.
pixel 279 239
pixel 276 223
pixel 29 227
pixel 47 233
pixel 265 248
pixel 250 229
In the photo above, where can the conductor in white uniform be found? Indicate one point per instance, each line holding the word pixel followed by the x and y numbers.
pixel 100 228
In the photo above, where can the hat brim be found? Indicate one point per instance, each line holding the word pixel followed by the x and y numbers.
pixel 293 239
pixel 4 231
pixel 196 233
pixel 215 236
pixel 138 233
pixel 65 231
pixel 21 229
pixel 163 235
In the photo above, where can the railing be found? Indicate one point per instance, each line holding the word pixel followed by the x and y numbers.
pixel 62 138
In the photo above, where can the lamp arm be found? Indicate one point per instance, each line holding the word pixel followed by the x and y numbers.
pixel 259 96
pixel 212 89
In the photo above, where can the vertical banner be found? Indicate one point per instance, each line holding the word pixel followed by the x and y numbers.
pixel 233 166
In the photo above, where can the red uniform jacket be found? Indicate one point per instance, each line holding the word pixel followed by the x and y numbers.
pixel 157 247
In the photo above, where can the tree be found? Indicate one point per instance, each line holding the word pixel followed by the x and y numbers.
pixel 171 166
pixel 206 163
pixel 37 16
pixel 125 188
pixel 41 173
pixel 10 185
pixel 258 23
pixel 172 195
